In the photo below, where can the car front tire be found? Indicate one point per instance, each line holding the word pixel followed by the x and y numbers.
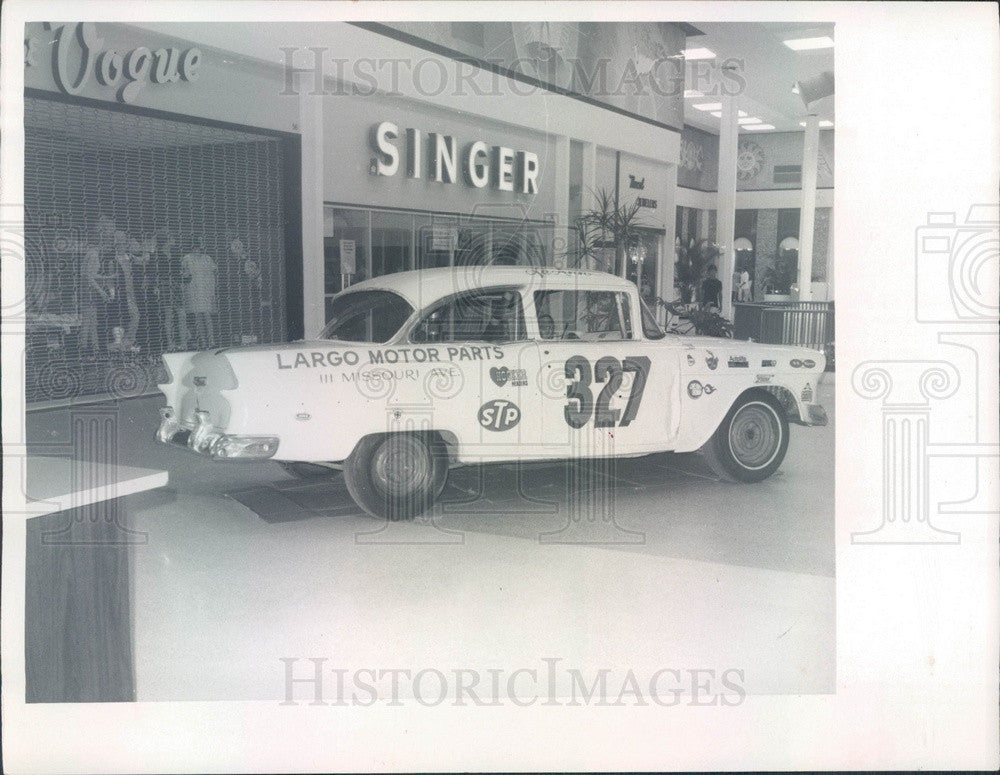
pixel 397 476
pixel 751 442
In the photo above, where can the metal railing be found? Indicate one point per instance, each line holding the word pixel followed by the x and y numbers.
pixel 805 323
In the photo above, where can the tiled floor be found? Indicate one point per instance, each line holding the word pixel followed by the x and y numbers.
pixel 667 568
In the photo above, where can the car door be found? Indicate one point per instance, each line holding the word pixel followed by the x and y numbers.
pixel 492 407
pixel 607 390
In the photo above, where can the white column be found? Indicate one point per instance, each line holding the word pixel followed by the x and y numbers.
pixel 588 177
pixel 807 218
pixel 311 127
pixel 830 259
pixel 725 218
pixel 665 279
pixel 560 198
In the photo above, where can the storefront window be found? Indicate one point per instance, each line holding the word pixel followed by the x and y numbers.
pixel 437 238
pixel 388 242
pixel 345 250
pixel 474 244
pixel 643 264
pixel 392 242
pixel 145 235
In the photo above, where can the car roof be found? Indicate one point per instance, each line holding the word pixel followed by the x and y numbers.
pixel 424 286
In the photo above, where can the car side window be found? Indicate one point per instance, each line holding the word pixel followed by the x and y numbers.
pixel 479 316
pixel 577 314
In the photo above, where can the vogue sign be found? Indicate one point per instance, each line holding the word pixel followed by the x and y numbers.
pixel 436 157
pixel 79 53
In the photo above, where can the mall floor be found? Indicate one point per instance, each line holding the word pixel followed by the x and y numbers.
pixel 666 568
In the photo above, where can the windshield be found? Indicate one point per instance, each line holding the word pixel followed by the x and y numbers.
pixel 366 316
pixel 650 329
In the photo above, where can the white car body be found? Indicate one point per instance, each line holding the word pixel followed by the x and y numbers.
pixel 497 400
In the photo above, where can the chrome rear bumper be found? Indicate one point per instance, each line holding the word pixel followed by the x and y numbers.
pixel 205 439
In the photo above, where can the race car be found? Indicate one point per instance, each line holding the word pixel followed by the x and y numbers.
pixel 421 371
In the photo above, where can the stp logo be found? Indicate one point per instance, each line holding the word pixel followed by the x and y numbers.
pixel 499 415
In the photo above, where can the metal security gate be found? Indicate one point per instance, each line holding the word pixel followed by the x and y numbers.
pixel 145 234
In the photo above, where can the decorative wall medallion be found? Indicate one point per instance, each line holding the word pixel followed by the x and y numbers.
pixel 749 160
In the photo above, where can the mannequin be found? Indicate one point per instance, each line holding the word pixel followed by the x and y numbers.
pixel 198 271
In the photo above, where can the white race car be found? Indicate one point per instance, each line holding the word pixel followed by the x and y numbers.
pixel 420 371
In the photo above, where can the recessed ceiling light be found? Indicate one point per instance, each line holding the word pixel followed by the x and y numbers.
pixel 708 106
pixel 692 93
pixel 823 123
pixel 795 89
pixel 750 120
pixel 755 127
pixel 718 113
pixel 809 44
pixel 698 53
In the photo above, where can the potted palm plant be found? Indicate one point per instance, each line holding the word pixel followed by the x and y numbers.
pixel 605 234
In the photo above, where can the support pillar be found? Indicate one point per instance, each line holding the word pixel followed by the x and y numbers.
pixel 313 152
pixel 563 237
pixel 807 217
pixel 725 227
pixel 665 278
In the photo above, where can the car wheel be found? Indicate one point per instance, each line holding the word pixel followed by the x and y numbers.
pixel 752 440
pixel 396 476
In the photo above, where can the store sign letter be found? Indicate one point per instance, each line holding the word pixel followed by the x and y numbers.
pixel 79 53
pixel 499 167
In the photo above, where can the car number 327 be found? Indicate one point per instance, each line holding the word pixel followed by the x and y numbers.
pixel 418 372
pixel 609 371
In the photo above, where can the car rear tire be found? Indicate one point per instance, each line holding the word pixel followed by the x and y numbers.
pixel 397 476
pixel 751 442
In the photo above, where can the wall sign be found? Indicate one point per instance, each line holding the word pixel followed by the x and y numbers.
pixel 436 157
pixel 78 53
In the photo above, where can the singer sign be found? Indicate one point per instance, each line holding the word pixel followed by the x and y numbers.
pixel 436 157
pixel 79 53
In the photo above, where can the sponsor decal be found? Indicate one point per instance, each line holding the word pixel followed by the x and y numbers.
pixel 317 359
pixel 499 415
pixel 738 362
pixel 695 389
pixel 807 393
pixel 500 376
pixel 795 363
pixel 768 364
pixel 709 389
pixel 711 361
pixel 690 359
pixel 763 379
pixel 808 364
pixel 381 374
